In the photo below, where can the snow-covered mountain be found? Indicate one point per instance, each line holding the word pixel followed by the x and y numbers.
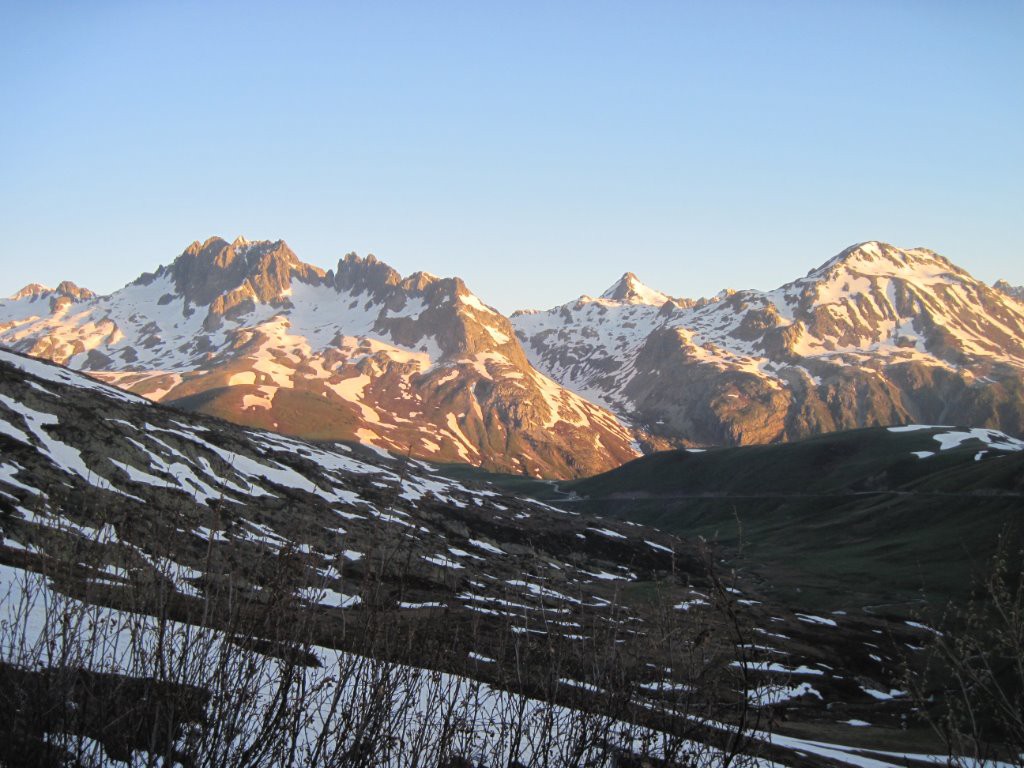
pixel 248 332
pixel 876 335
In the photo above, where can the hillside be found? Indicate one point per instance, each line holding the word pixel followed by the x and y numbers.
pixel 118 502
pixel 881 515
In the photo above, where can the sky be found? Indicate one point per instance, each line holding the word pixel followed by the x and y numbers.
pixel 538 150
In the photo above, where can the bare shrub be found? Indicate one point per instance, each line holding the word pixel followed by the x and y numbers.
pixel 109 652
pixel 971 686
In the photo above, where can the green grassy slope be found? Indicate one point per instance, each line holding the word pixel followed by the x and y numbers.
pixel 839 520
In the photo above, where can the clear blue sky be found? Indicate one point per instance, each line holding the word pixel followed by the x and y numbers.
pixel 538 150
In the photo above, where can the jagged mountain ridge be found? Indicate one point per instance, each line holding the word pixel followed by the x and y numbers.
pixel 877 335
pixel 1013 291
pixel 247 331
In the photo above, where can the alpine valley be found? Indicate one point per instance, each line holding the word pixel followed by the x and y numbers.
pixel 420 365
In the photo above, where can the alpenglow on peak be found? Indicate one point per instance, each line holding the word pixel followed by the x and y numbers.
pixel 630 290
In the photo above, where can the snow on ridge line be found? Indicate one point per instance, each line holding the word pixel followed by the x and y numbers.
pixel 61 375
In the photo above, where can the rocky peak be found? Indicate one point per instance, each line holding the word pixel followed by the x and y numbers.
pixel 1013 291
pixel 369 275
pixel 205 273
pixel 64 290
pixel 418 282
pixel 74 292
pixel 32 291
pixel 628 289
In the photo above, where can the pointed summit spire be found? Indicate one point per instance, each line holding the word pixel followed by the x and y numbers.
pixel 630 290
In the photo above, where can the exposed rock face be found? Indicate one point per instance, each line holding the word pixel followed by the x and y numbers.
pixel 65 289
pixel 1013 291
pixel 248 332
pixel 877 335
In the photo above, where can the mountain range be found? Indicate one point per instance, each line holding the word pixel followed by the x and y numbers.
pixel 420 365
pixel 875 336
pixel 246 331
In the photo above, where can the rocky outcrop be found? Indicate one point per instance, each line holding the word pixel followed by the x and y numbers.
pixel 66 290
pixel 1013 291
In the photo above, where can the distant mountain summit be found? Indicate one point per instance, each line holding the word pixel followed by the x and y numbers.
pixel 630 290
pixel 1013 291
pixel 248 332
pixel 876 335
pixel 64 290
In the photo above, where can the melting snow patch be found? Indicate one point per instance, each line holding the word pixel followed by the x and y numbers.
pixel 925 627
pixel 688 604
pixel 666 686
pixel 991 437
pixel 539 591
pixel 442 561
pixel 607 532
pixel 605 576
pixel 207 534
pixel 659 547
pixel 776 694
pixel 463 553
pixel 7 472
pixel 64 456
pixel 882 695
pixel 330 598
pixel 816 620
pixel 486 547
pixel 774 666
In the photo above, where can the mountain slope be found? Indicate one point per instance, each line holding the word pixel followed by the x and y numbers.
pixel 876 335
pixel 106 494
pixel 876 515
pixel 246 331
